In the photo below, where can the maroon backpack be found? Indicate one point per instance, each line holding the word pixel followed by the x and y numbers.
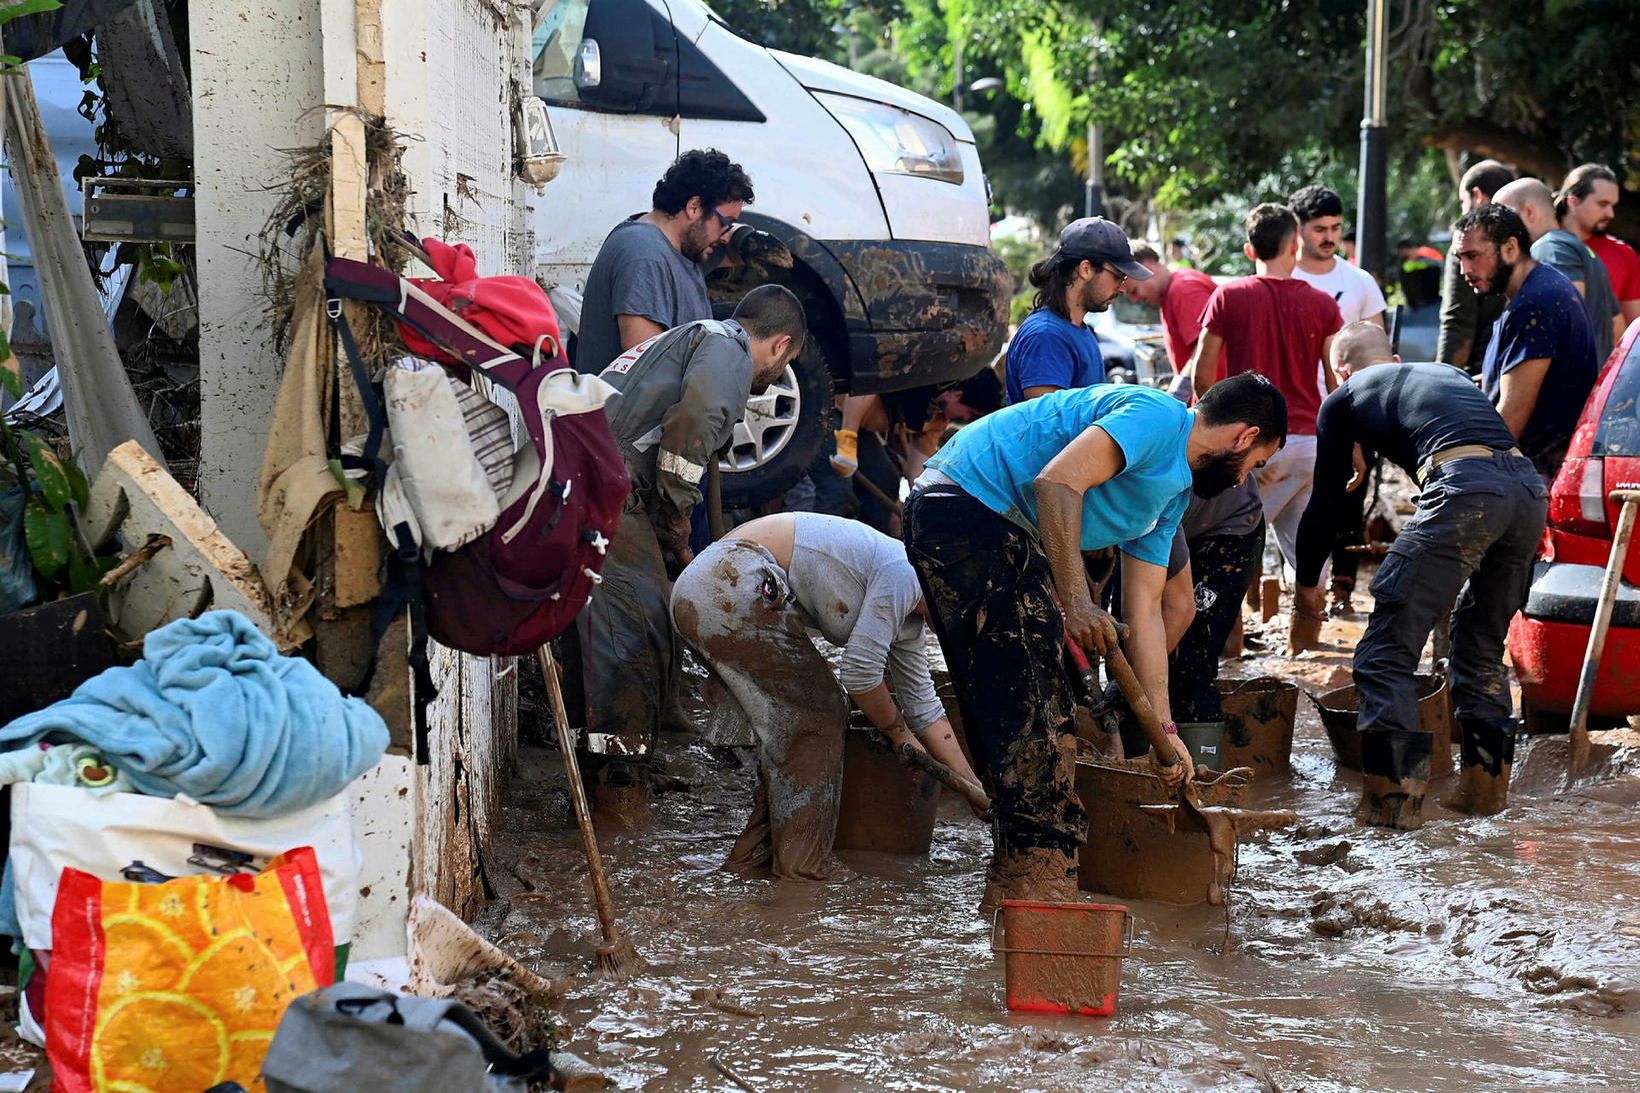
pixel 520 584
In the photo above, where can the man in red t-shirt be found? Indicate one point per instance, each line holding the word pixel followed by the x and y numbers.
pixel 1181 296
pixel 1282 329
pixel 1585 205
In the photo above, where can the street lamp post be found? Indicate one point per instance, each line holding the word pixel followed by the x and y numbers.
pixel 1371 230
pixel 1096 172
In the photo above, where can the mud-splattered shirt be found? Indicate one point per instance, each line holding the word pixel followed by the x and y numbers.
pixel 1545 320
pixel 857 587
pixel 997 459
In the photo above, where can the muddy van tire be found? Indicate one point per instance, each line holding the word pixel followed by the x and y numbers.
pixel 783 430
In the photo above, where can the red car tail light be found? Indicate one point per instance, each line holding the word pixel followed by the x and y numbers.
pixel 1578 501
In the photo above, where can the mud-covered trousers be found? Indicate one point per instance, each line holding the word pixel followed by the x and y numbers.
pixel 1222 566
pixel 629 656
pixel 989 592
pixel 1478 521
pixel 734 607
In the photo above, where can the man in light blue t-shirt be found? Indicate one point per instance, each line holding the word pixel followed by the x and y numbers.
pixel 996 527
pixel 1053 350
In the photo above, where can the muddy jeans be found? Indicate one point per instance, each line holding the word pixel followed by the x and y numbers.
pixel 629 659
pixel 989 592
pixel 1478 521
pixel 1222 567
pixel 734 607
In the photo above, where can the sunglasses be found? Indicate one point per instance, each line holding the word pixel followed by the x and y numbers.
pixel 728 224
pixel 1121 278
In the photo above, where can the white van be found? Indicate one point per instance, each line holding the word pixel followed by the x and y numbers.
pixel 876 191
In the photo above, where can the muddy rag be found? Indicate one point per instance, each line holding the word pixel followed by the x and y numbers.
pixel 214 711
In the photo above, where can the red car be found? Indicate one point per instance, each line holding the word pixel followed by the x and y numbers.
pixel 1548 638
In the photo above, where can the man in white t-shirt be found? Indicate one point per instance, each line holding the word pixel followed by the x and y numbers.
pixel 1320 215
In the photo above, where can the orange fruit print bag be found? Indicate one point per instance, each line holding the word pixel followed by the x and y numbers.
pixel 155 988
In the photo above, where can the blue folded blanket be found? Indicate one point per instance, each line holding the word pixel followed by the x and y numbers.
pixel 214 711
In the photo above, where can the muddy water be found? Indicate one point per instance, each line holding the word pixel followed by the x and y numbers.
pixel 1500 953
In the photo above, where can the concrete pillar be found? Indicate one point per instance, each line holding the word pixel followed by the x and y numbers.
pixel 257 78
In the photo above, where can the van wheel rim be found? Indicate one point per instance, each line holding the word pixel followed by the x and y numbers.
pixel 769 425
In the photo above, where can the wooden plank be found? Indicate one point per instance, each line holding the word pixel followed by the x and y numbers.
pixel 136 498
pixel 367 16
pixel 358 556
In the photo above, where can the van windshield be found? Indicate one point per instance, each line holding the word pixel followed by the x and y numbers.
pixel 1619 430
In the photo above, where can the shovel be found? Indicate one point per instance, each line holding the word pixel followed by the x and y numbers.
pixel 1603 608
pixel 616 956
pixel 1122 672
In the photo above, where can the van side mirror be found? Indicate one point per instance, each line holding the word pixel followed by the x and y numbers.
pixel 589 65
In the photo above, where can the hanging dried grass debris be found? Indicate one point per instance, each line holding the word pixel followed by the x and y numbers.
pixel 297 223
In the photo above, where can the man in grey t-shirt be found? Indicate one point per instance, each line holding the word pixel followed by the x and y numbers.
pixel 746 604
pixel 649 275
pixel 1554 246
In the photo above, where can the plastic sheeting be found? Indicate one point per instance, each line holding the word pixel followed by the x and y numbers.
pixel 103 411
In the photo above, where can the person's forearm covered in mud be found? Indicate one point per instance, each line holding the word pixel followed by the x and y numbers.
pixel 1091 459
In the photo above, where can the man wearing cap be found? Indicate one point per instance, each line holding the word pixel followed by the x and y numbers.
pixel 1053 350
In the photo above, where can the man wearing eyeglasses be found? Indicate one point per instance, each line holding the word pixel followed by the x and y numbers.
pixel 1053 350
pixel 650 273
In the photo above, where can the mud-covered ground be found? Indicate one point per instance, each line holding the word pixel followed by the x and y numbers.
pixel 1499 953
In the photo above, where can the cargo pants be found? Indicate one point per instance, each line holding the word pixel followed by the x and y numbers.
pixel 1472 540
pixel 629 658
pixel 734 607
pixel 989 591
pixel 1222 567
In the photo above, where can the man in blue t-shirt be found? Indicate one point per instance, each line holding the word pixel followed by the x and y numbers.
pixel 1053 350
pixel 1540 364
pixel 996 527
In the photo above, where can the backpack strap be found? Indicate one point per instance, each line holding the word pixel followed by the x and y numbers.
pixel 370 460
pixel 466 343
pixel 402 589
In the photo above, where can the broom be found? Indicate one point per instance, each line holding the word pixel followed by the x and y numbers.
pixel 616 956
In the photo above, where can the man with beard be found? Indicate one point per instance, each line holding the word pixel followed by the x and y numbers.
pixel 1467 319
pixel 1053 350
pixel 649 274
pixel 996 526
pixel 1585 206
pixel 1554 246
pixel 681 393
pixel 1540 364
pixel 1481 508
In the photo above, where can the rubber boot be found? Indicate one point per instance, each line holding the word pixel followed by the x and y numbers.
pixel 1343 597
pixel 620 794
pixel 1487 751
pixel 1303 634
pixel 1048 876
pixel 1394 778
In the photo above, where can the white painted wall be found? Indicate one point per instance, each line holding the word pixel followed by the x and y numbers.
pixel 256 78
pixel 259 68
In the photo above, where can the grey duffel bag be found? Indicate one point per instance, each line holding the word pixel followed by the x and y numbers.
pixel 350 1037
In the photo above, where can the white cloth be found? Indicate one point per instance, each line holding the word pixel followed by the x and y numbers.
pixel 1351 287
pixel 1353 290
pixel 1284 484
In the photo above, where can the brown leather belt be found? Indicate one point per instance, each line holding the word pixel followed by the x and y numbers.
pixel 1457 452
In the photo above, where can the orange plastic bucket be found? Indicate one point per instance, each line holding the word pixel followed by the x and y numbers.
pixel 1062 957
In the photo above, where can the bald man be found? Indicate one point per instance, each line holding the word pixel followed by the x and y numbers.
pixel 1481 509
pixel 1555 246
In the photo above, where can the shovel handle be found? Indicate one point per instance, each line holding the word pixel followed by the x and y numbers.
pixel 1139 703
pixel 1603 609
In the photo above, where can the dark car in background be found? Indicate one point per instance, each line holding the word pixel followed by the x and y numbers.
pixel 1548 638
